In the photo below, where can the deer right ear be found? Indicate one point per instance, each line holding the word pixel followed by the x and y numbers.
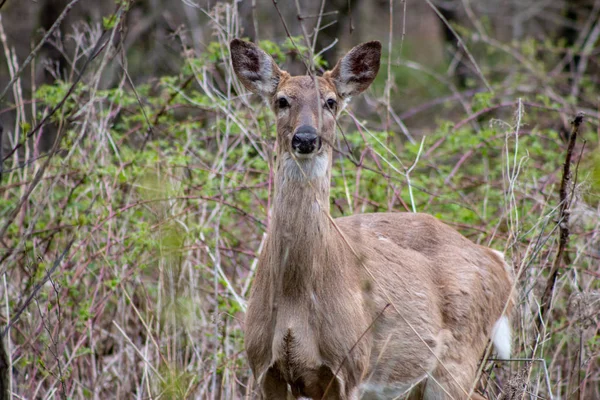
pixel 355 72
pixel 254 68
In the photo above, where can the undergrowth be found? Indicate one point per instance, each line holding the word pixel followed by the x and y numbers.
pixel 130 249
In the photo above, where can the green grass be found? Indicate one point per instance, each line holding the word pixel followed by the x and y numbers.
pixel 158 197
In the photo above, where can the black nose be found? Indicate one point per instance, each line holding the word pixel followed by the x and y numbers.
pixel 306 140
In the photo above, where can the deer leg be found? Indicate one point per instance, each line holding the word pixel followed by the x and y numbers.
pixel 274 387
pixel 322 384
pixel 451 381
pixel 354 394
pixel 477 396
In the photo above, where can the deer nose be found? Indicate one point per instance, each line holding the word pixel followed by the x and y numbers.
pixel 306 140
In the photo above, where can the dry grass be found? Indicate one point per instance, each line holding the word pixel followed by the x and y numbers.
pixel 129 247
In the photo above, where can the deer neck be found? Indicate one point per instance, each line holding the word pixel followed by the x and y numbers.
pixel 300 230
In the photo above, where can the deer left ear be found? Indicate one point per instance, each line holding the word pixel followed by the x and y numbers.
pixel 257 71
pixel 354 73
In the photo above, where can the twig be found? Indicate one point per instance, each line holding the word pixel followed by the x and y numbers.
pixel 410 192
pixel 289 35
pixel 436 101
pixel 100 45
pixel 37 48
pixel 563 224
pixel 318 25
pixel 321 14
pixel 149 130
pixel 351 27
pixel 93 55
pixel 389 80
pixel 462 44
pixel 583 59
pixel 54 350
pixel 5 358
pixel 37 288
pixel 144 358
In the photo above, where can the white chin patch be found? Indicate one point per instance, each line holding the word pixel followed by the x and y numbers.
pixel 301 156
pixel 305 166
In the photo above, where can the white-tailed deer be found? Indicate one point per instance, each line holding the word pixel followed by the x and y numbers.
pixel 371 303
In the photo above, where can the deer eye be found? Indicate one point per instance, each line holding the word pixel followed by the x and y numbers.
pixel 331 103
pixel 282 102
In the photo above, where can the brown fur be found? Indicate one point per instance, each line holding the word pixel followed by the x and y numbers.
pixel 314 319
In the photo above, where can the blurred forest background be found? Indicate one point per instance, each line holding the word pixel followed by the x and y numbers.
pixel 136 178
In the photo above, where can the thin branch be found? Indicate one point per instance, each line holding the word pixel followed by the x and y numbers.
pixel 100 45
pixel 95 52
pixel 37 48
pixel 37 287
pixel 563 223
pixel 461 43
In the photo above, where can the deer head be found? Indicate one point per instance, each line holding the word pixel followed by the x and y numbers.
pixel 306 107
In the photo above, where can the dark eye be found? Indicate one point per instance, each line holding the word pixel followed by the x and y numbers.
pixel 331 103
pixel 282 102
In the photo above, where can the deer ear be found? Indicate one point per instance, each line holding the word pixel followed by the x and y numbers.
pixel 254 68
pixel 354 73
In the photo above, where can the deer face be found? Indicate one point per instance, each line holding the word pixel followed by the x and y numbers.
pixel 306 111
pixel 306 107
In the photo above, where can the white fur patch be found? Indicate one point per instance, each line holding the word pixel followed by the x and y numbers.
pixel 345 86
pixel 388 391
pixel 300 169
pixel 381 237
pixel 501 337
pixel 507 267
pixel 499 253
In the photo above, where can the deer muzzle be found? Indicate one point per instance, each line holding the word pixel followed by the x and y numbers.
pixel 306 140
